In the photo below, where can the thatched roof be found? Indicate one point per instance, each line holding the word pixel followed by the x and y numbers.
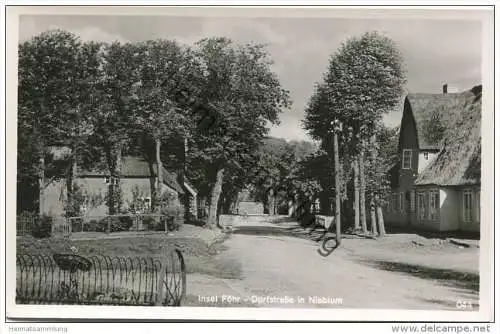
pixel 138 168
pixel 426 108
pixel 459 161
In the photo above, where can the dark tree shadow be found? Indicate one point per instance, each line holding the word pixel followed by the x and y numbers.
pixel 432 234
pixel 447 277
pixel 315 233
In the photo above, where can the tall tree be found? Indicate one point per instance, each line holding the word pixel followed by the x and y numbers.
pixel 364 81
pixel 50 80
pixel 240 95
pixel 164 67
pixel 120 69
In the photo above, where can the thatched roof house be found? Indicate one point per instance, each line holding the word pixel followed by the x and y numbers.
pixel 459 161
pixel 436 181
pixel 444 109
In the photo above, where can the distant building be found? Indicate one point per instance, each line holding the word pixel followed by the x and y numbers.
pixel 437 179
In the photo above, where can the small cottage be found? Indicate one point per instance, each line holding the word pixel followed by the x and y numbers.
pixel 136 182
pixel 437 178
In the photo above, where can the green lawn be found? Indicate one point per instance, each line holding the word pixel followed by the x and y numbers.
pixel 199 256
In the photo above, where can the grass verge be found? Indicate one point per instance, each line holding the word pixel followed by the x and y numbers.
pixel 200 257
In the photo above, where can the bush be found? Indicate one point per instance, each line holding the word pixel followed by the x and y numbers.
pixel 147 222
pixel 119 224
pixel 174 215
pixel 306 219
pixel 173 212
pixel 96 226
pixel 43 227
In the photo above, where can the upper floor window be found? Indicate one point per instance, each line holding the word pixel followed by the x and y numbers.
pixel 406 159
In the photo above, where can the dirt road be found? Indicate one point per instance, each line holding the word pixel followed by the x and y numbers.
pixel 279 270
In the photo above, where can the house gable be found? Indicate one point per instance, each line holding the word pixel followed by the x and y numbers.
pixel 408 144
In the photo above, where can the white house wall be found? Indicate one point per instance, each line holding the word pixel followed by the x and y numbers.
pixel 423 162
pixel 449 213
pixel 55 193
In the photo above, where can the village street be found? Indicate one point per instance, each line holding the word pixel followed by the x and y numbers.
pixel 276 266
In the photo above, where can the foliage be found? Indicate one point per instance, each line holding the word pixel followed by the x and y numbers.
pixel 43 227
pixel 364 81
pixel 239 94
pixel 81 201
pixel 277 168
pixel 388 139
pixel 138 204
pixel 105 100
pixel 169 208
pixel 44 97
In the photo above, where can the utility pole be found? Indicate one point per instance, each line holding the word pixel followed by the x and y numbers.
pixel 337 127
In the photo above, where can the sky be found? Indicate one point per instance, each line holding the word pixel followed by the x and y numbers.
pixel 435 51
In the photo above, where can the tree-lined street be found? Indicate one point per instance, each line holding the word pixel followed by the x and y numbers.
pixel 278 260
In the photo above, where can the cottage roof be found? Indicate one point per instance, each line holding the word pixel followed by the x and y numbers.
pixel 139 167
pixel 459 160
pixel 448 107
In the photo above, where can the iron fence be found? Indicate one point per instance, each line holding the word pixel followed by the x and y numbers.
pixel 25 224
pixel 101 280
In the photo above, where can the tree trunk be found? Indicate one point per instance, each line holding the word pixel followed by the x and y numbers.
pixel 380 217
pixel 41 183
pixel 114 187
pixel 232 206
pixel 373 216
pixel 71 208
pixel 356 206
pixel 275 205
pixel 152 184
pixel 295 205
pixel 214 199
pixel 362 193
pixel 337 188
pixel 159 168
pixel 270 201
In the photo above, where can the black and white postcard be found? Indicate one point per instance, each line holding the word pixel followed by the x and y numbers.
pixel 263 163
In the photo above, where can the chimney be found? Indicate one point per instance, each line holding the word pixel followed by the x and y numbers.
pixel 445 88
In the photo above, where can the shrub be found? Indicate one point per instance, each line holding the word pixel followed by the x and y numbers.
pixel 96 226
pixel 43 227
pixel 173 212
pixel 119 224
pixel 147 222
pixel 174 215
